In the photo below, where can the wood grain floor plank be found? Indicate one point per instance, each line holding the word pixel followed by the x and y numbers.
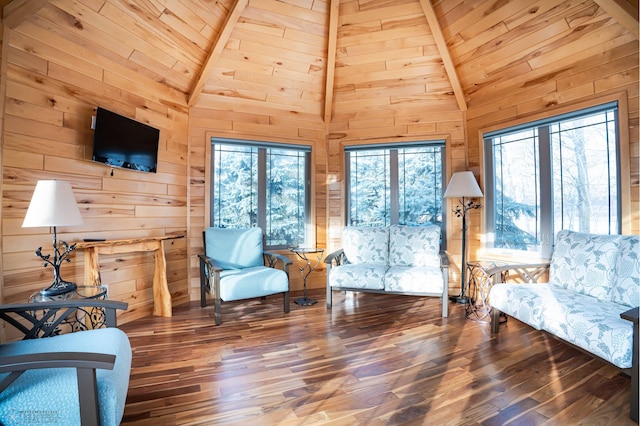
pixel 372 360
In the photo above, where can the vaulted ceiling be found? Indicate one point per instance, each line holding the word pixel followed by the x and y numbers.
pixel 321 58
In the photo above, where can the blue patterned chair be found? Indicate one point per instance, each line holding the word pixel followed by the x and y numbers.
pixel 590 300
pixel 235 267
pixel 77 378
pixel 397 259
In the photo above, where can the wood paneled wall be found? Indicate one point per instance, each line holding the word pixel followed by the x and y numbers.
pixel 397 78
pixel 51 94
pixel 574 82
pixel 514 73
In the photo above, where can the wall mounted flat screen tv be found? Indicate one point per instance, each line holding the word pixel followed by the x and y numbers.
pixel 122 142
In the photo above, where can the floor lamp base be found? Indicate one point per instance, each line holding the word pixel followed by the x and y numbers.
pixel 462 299
pixel 59 288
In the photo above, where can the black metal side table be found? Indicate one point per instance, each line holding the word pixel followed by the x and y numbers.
pixel 83 318
pixel 303 253
pixel 81 292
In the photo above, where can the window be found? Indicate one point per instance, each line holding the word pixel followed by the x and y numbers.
pixel 265 185
pixel 394 184
pixel 559 173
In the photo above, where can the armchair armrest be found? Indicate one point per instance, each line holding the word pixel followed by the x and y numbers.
pixel 85 364
pixel 336 258
pixel 210 262
pixel 100 313
pixel 272 259
pixel 444 259
pixel 18 364
pixel 632 315
pixel 209 277
pixel 520 272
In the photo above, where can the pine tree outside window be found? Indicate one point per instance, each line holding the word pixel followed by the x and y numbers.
pixel 395 184
pixel 265 185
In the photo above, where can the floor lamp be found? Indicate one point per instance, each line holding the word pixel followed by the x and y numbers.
pixel 463 185
pixel 53 204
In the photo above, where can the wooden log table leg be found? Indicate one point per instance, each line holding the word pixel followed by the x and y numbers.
pixel 161 295
pixel 92 267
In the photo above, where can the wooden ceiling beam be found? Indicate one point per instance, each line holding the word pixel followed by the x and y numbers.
pixel 217 48
pixel 622 11
pixel 17 11
pixel 334 10
pixel 449 67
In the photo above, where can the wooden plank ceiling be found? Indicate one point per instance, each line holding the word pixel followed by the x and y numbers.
pixel 318 58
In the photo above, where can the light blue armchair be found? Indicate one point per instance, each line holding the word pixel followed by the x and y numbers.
pixel 235 267
pixel 67 379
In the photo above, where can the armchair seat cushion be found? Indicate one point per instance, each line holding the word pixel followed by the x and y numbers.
pixel 593 325
pixel 585 321
pixel 252 282
pixel 50 396
pixel 521 301
pixel 364 276
pixel 414 279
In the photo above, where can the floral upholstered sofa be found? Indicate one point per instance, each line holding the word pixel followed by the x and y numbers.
pixel 397 259
pixel 590 300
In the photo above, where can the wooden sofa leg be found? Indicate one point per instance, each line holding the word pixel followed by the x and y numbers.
pixel 495 320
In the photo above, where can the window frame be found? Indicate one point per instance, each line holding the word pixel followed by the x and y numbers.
pixel 572 110
pixel 263 146
pixel 393 171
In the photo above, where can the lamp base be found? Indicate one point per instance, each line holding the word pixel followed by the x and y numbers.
pixel 57 289
pixel 462 299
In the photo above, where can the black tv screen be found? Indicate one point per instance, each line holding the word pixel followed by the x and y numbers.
pixel 122 142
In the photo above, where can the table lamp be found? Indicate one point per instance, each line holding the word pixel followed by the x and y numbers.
pixel 53 204
pixel 463 185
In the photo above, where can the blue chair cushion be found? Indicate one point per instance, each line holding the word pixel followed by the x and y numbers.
pixel 50 396
pixel 238 284
pixel 234 248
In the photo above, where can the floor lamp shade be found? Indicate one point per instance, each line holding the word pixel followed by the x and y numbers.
pixel 463 185
pixel 53 204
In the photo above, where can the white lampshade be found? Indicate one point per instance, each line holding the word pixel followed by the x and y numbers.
pixel 52 204
pixel 463 184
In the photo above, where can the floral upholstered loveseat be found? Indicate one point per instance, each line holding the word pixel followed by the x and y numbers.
pixel 590 300
pixel 397 259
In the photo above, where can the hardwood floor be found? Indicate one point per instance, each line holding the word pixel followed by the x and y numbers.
pixel 372 360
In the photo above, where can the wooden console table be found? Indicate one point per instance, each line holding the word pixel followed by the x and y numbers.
pixel 161 295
